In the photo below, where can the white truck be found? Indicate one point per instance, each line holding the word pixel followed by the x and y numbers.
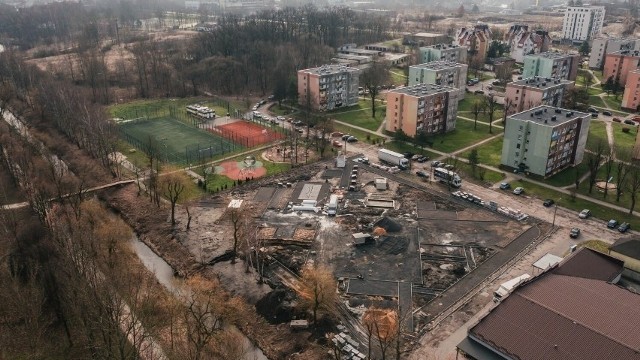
pixel 506 287
pixel 332 206
pixel 393 158
pixel 447 177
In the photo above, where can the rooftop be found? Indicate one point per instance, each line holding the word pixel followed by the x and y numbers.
pixel 438 65
pixel 551 55
pixel 427 34
pixel 627 247
pixel 589 264
pixel 330 69
pixel 562 317
pixel 541 83
pixel 442 47
pixel 635 53
pixel 550 115
pixel 423 89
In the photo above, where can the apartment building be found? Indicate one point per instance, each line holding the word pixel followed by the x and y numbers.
pixel 551 65
pixel 617 65
pixel 528 93
pixel 328 87
pixel 545 140
pixel 582 23
pixel 443 52
pixel 523 42
pixel 476 39
pixel 631 97
pixel 447 73
pixel 603 45
pixel 425 107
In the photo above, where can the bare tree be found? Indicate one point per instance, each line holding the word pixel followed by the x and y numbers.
pixel 491 106
pixel 608 162
pixel 173 186
pixel 476 108
pixel 373 78
pixel 633 186
pixel 317 289
pixel 595 156
pixel 237 221
pixel 622 169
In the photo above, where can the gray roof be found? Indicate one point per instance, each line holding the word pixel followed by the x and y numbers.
pixel 438 65
pixel 443 47
pixel 627 247
pixel 552 55
pixel 330 69
pixel 550 115
pixel 423 89
pixel 541 83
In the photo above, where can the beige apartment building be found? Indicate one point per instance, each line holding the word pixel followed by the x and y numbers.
pixel 631 97
pixel 476 39
pixel 617 65
pixel 528 93
pixel 424 107
pixel 328 87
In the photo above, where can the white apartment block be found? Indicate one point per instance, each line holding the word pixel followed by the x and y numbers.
pixel 448 73
pixel 328 87
pixel 603 46
pixel 582 23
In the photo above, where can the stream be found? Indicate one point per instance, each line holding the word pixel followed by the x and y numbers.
pixel 164 274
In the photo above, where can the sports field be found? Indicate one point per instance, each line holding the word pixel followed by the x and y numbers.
pixel 176 141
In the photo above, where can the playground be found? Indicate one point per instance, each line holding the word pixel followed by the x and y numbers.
pixel 246 134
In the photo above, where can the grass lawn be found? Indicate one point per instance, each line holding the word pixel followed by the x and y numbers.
pixel 577 205
pixel 623 140
pixel 362 118
pixel 489 153
pixel 402 147
pixel 597 130
pixel 361 135
pixel 281 111
pixel 489 176
pixel 397 77
pixel 596 101
pixel 467 103
pixel 497 115
pixel 462 136
pixel 625 198
pixel 594 90
pixel 216 182
pixel 135 156
pixel 613 103
pixel 567 176
pixel 598 74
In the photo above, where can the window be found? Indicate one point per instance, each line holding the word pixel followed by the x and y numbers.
pixel 517 153
pixel 518 146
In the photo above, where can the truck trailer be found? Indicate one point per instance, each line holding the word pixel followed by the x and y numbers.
pixel 447 177
pixel 393 158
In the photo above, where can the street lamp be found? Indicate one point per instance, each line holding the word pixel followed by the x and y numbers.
pixel 555 210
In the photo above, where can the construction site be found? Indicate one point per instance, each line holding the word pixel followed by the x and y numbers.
pixel 391 243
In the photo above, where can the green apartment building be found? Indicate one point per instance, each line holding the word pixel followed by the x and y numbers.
pixel 552 65
pixel 545 140
pixel 443 52
pixel 447 73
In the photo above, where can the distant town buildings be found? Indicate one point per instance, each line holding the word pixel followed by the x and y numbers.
pixel 441 52
pixel 425 107
pixel 523 42
pixel 602 46
pixel 582 23
pixel 476 39
pixel 425 39
pixel 631 96
pixel 545 140
pixel 328 87
pixel 447 73
pixel 551 65
pixel 528 93
pixel 617 65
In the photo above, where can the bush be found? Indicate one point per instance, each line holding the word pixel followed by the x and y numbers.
pixel 625 129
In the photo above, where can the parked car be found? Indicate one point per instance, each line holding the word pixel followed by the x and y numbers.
pixel 612 224
pixel 352 139
pixel 422 159
pixel 519 190
pixel 479 92
pixel 592 110
pixel 585 213
pixel 616 120
pixel 490 87
pixel 574 233
pixel 594 115
pixel 496 82
pixel 280 118
pixel 254 108
pixel 624 227
pixel 435 163
pixel 337 143
pixel 607 113
pixel 415 157
pixel 548 202
pixel 630 122
pixel 408 155
pixel 421 173
pixel 505 186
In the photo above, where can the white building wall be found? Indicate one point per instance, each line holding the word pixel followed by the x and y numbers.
pixel 582 23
